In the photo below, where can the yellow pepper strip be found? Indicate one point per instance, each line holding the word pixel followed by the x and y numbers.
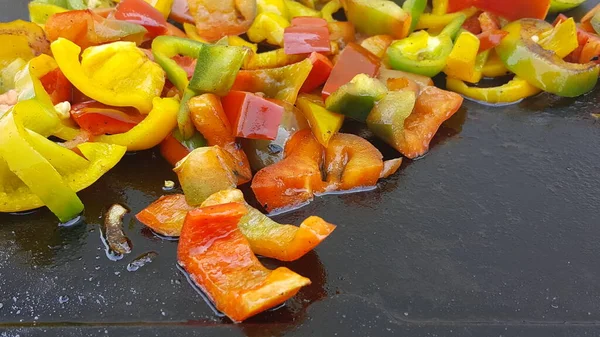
pixel 439 7
pixel 460 64
pixel 511 92
pixel 377 44
pixel 331 7
pixel 192 33
pixel 117 74
pixel 152 130
pixel 438 22
pixel 21 39
pixel 39 12
pixel 269 27
pixel 278 7
pixel 271 59
pixel 323 123
pixel 237 41
pixel 494 67
pixel 297 9
pixel 562 39
pixel 163 6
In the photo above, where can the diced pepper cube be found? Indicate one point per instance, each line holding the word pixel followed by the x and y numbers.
pixel 252 116
pixel 353 60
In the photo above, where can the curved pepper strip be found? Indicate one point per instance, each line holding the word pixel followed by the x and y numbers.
pixel 271 239
pixel 151 131
pixel 21 39
pixel 540 67
pixel 39 12
pixel 239 289
pixel 376 17
pixel 117 74
pixel 216 19
pixel 511 92
pixel 166 215
pixel 164 48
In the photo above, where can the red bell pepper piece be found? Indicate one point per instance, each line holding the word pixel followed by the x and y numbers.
pixel 165 216
pixel 473 25
pixel 306 35
pixel 180 12
pixel 319 74
pixel 510 9
pixel 353 60
pixel 173 151
pixel 488 22
pixel 100 119
pixel 219 260
pixel 57 86
pixel 252 116
pixel 142 13
pixel 342 33
pixel 490 39
pixel 433 107
pixel 86 28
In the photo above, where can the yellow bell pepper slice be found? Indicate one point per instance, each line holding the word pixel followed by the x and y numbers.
pixel 21 39
pixel 511 92
pixel 437 22
pixel 269 27
pixel 271 59
pixel 237 41
pixel 494 67
pixel 439 7
pixel 117 74
pixel 562 39
pixel 296 9
pixel 191 31
pixel 163 6
pixel 323 123
pixel 278 7
pixel 331 7
pixel 464 63
pixel 152 130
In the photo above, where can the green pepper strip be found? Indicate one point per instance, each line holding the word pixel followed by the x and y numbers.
pixel 415 8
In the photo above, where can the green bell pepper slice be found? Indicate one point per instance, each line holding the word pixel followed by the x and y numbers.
pixel 415 8
pixel 166 47
pixel 375 17
pixel 386 120
pixel 217 68
pixel 540 67
pixel 356 98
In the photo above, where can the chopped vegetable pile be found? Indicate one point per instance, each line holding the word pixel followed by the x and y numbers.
pixel 256 92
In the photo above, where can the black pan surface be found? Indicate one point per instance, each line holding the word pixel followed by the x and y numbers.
pixel 495 232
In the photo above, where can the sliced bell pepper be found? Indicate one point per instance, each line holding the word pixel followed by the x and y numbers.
pixel 180 12
pixel 99 119
pixel 242 289
pixel 306 36
pixel 490 39
pixel 278 7
pixel 439 7
pixel 22 40
pixel 217 68
pixel 39 12
pixel 351 162
pixel 323 123
pixel 296 9
pixel 353 60
pixel 586 40
pixel 586 20
pixel 117 74
pixel 8 73
pixel 282 83
pixel 86 28
pixel 511 92
pixel 191 32
pixel 386 74
pixel 319 73
pixel 403 83
pixel 509 9
pixel 262 153
pixel 271 239
pixel 356 98
pixel 494 67
pixel 433 107
pixel 294 180
pixel 271 59
pixel 57 86
pixel 436 23
pixel 166 215
pixel 562 39
pixel 415 8
pixel 174 148
pixel 387 119
pixel 540 67
pixel 557 6
pixel 165 48
pixel 330 8
pixel 376 17
pixel 252 116
pixel 341 33
pixel 377 44
pixel 163 6
pixel 149 132
pixel 268 27
pixel 142 13
pixel 216 19
pixel 461 62
pixel 390 167
pixel 237 41
pixel 420 53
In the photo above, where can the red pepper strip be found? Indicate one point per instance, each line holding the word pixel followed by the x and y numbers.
pixel 252 116
pixel 210 120
pixel 433 107
pixel 219 260
pixel 165 216
pixel 86 28
pixel 510 9
pixel 488 22
pixel 319 73
pixel 172 30
pixel 588 49
pixel 186 63
pixel 473 25
pixel 173 151
pixel 353 60
pixel 142 13
pixel 293 180
pixel 490 39
pixel 306 35
pixel 99 119
pixel 57 86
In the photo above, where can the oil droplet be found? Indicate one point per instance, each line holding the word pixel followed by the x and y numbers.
pixel 63 299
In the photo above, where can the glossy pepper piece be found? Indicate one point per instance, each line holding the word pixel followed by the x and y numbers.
pixel 494 67
pixel 461 61
pixel 490 39
pixel 513 91
pixel 268 27
pixel 99 119
pixel 323 123
pixel 271 239
pixel 353 60
pixel 375 17
pixel 282 83
pixel 57 86
pixel 166 215
pixel 586 20
pixel 306 35
pixel 296 9
pixel 271 59
pixel 387 118
pixel 510 9
pixel 216 19
pixel 239 289
pixel 174 147
pixel 86 28
pixel 150 131
pixel 588 49
pixel 321 69
pixel 163 6
pixel 252 116
pixel 562 39
pixel 377 44
pixel 117 74
pixel 23 40
pixel 540 67
pixel 217 68
pixel 329 9
pixel 415 8
pixel 436 23
pixel 142 13
pixel 356 98
pixel 278 7
pixel 165 48
pixel 387 74
pixel 39 12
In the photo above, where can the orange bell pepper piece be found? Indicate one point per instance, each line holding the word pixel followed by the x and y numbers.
pixel 165 216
